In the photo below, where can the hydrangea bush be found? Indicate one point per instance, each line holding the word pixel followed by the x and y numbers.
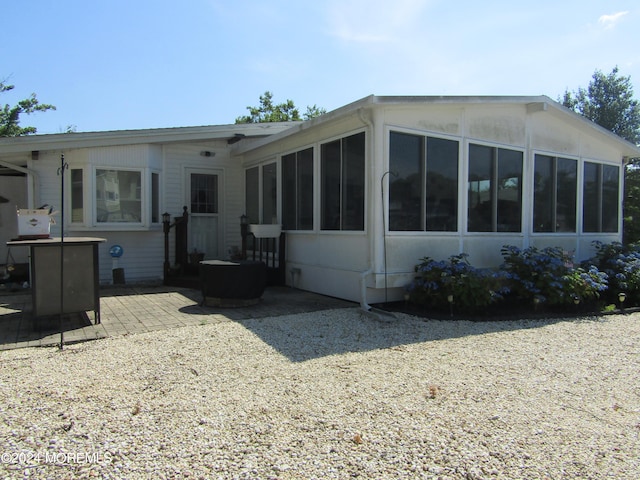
pixel 530 276
pixel 455 283
pixel 549 276
pixel 621 263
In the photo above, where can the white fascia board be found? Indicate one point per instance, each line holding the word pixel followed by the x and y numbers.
pixel 533 104
pixel 62 141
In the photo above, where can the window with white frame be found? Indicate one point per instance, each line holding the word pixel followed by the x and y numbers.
pixel 555 194
pixel 269 194
pixel 342 183
pixel 494 189
pixel 297 190
pixel 423 183
pixel 261 194
pixel 77 195
pixel 252 192
pixel 118 196
pixel 121 196
pixel 601 191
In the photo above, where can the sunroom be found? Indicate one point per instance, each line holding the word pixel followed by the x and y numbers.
pixel 366 191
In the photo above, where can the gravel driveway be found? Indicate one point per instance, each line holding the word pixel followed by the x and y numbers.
pixel 331 394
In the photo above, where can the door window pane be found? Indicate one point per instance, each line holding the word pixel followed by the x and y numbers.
pixel 204 193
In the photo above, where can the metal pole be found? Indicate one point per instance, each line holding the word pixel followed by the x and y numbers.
pixel 63 167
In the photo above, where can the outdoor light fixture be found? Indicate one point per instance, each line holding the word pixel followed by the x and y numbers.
pixel 621 298
pixel 244 220
pixel 166 217
pixel 450 300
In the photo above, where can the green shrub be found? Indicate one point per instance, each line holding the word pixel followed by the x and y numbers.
pixel 549 276
pixel 454 283
pixel 621 263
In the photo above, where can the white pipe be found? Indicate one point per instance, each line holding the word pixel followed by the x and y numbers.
pixel 363 290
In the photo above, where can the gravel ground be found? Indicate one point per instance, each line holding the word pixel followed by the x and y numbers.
pixel 333 394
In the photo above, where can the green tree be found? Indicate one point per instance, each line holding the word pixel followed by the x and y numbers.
pixel 608 101
pixel 10 116
pixel 267 111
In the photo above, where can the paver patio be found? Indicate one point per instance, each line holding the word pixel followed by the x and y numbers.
pixel 137 309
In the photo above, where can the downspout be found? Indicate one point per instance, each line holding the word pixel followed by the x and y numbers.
pixel 32 174
pixel 363 276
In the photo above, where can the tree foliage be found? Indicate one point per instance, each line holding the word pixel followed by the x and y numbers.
pixel 268 111
pixel 608 101
pixel 10 116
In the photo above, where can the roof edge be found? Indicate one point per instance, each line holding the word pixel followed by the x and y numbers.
pixel 57 141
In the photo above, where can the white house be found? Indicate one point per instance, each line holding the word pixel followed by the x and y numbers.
pixel 362 192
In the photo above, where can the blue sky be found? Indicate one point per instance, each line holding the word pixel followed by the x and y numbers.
pixel 129 64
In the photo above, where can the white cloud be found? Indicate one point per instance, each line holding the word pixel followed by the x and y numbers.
pixel 373 21
pixel 610 21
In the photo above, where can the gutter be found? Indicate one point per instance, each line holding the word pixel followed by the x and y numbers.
pixel 363 276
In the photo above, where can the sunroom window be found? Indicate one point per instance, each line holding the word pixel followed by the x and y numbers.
pixel 554 195
pixel 297 190
pixel 601 189
pixel 494 189
pixel 423 183
pixel 261 194
pixel 342 183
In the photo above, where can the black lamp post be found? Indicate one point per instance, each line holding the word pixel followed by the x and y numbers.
pixel 166 226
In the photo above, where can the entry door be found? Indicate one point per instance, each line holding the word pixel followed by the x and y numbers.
pixel 204 190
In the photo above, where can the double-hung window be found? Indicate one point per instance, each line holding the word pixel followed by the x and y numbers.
pixel 494 189
pixel 423 183
pixel 601 190
pixel 297 190
pixel 342 183
pixel 554 194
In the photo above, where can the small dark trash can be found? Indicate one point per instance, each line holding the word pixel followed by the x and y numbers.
pixel 118 276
